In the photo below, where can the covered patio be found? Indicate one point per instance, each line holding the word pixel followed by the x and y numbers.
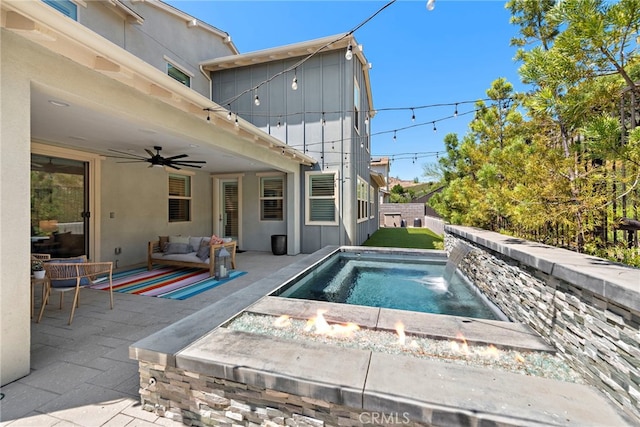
pixel 82 373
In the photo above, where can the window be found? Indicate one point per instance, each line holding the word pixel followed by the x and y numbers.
pixel 272 198
pixel 372 201
pixel 321 199
pixel 363 199
pixel 67 7
pixel 179 198
pixel 356 105
pixel 179 75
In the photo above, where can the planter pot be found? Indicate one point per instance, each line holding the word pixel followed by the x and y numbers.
pixel 279 244
pixel 39 274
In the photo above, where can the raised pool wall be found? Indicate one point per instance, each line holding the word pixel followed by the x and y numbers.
pixel 586 307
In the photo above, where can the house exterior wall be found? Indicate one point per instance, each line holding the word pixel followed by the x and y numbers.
pixel 15 324
pixel 325 92
pixel 151 41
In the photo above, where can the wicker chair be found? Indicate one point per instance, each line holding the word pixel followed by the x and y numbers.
pixel 65 276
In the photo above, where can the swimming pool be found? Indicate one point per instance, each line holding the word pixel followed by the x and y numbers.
pixel 391 281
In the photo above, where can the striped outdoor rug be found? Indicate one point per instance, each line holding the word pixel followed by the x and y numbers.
pixel 165 282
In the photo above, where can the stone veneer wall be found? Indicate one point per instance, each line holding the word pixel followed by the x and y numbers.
pixel 180 395
pixel 598 336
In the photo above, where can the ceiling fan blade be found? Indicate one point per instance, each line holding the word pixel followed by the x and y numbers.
pixel 132 161
pixel 139 159
pixel 190 161
pixel 151 153
pixel 184 164
pixel 179 156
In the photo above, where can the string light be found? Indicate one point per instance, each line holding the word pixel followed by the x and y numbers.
pixel 237 124
pixel 256 100
pixel 434 127
pixel 394 136
pixel 413 115
pixel 294 83
pixel 349 53
pixel 455 112
pixel 323 120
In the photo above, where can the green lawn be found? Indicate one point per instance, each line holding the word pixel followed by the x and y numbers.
pixel 401 237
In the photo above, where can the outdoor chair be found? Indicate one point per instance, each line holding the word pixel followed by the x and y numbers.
pixel 71 274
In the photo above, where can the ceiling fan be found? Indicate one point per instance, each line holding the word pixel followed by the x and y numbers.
pixel 158 160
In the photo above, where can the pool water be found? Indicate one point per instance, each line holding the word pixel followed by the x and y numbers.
pixel 391 282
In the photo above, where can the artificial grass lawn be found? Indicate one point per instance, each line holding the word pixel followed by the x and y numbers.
pixel 404 237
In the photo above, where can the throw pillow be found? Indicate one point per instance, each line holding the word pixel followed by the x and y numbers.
pixel 178 248
pixel 195 242
pixel 204 250
pixel 216 240
pixel 164 240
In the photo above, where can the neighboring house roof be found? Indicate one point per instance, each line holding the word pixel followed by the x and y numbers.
pixel 378 179
pixel 425 198
pixel 302 49
pixel 189 20
pixel 382 161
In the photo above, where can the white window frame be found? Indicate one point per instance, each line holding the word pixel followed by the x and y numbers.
pixel 309 197
pixel 362 200
pixel 62 8
pixel 264 198
pixel 182 69
pixel 188 196
pixel 372 201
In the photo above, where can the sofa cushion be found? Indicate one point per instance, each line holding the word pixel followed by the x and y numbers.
pixel 178 248
pixel 204 251
pixel 195 242
pixel 162 242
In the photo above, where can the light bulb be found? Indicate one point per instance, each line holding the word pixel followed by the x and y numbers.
pixel 349 54
pixel 237 123
pixel 294 83
pixel 431 4
pixel 229 115
pixel 256 101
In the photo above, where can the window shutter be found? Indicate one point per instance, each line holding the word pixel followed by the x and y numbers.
pixel 322 206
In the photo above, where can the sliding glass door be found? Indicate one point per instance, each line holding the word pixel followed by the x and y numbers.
pixel 59 206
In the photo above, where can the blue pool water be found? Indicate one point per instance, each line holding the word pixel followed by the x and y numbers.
pixel 397 282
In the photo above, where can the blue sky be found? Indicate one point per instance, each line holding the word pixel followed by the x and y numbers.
pixel 419 58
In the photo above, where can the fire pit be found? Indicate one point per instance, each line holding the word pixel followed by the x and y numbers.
pixel 266 364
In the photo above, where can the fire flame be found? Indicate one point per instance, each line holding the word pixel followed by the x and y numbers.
pixel 400 331
pixel 282 321
pixel 463 347
pixel 319 325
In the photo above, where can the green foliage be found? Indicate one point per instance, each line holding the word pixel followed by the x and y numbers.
pixel 555 164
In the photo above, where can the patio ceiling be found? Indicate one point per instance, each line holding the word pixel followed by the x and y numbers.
pixel 64 119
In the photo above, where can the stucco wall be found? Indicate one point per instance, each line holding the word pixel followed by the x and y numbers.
pixel 587 308
pixel 15 323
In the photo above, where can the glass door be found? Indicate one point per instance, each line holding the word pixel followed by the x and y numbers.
pixel 230 217
pixel 59 206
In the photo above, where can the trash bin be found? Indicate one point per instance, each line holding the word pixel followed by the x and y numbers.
pixel 403 223
pixel 417 222
pixel 279 244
